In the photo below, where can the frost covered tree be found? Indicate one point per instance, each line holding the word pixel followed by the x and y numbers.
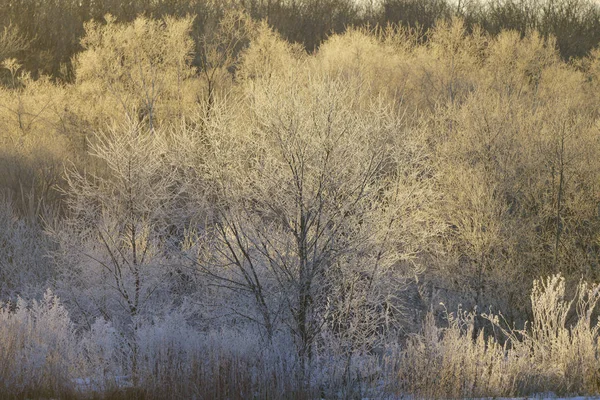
pixel 311 222
pixel 12 41
pixel 111 253
pixel 119 216
pixel 144 67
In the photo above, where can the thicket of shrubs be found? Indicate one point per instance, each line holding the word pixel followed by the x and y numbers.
pixel 227 215
pixel 46 35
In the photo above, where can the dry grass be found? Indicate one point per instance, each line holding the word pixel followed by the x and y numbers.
pixel 552 353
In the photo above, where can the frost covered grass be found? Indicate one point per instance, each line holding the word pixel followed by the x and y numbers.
pixel 558 351
pixel 43 356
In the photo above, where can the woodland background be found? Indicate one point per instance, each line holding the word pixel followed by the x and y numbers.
pixel 299 199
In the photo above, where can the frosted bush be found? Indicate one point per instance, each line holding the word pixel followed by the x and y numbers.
pixel 37 346
pixel 103 353
pixel 167 348
pixel 23 268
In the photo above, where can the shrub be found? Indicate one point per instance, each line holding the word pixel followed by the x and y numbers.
pixel 38 351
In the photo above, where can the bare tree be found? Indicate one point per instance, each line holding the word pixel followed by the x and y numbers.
pixel 110 256
pixel 308 198
pixel 12 41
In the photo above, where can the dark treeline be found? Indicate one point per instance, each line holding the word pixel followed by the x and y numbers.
pixel 51 31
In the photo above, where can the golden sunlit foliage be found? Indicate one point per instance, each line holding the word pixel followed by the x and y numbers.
pixel 141 69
